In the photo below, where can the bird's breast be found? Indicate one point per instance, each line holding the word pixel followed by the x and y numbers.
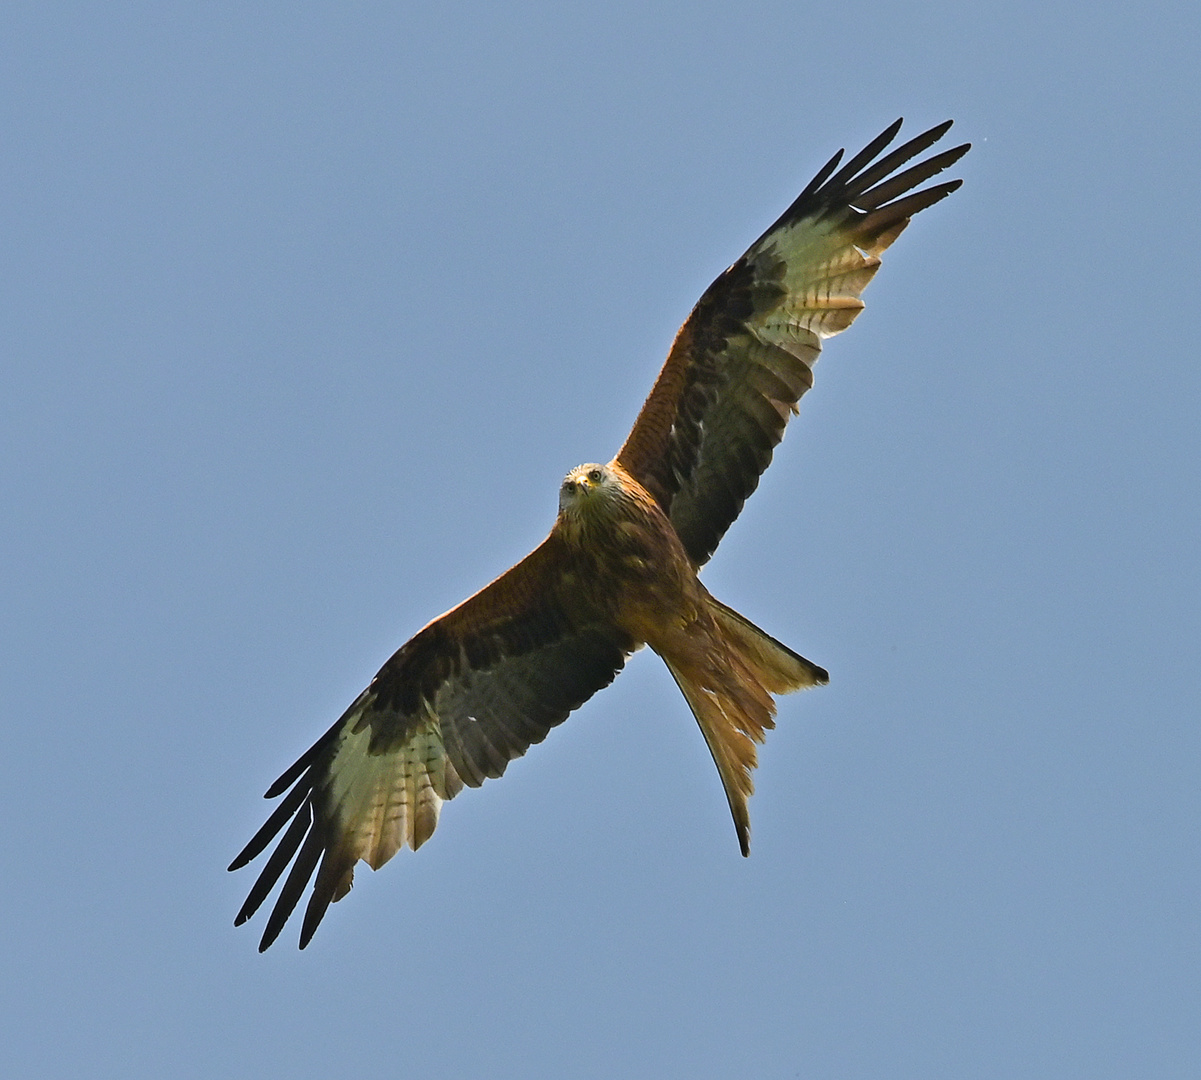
pixel 632 566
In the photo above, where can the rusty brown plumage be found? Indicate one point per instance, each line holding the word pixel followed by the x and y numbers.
pixel 477 686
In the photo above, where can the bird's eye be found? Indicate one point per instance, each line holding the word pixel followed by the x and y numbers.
pixel 594 475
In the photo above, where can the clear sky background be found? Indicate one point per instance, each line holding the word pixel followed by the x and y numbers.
pixel 306 309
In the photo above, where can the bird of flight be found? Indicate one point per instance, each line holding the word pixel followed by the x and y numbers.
pixel 473 689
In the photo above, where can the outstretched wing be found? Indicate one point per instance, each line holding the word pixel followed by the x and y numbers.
pixel 745 355
pixel 453 706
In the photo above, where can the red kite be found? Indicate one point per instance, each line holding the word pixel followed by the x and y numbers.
pixel 472 691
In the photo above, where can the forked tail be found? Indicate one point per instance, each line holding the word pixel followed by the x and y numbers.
pixel 728 685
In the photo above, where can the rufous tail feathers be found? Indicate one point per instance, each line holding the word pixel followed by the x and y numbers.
pixel 728 686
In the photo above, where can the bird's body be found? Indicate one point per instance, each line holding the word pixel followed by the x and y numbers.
pixel 627 560
pixel 619 570
pixel 633 567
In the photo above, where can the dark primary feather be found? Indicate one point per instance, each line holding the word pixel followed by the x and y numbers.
pixel 744 357
pixel 452 707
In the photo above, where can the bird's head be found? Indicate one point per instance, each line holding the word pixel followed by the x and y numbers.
pixel 586 488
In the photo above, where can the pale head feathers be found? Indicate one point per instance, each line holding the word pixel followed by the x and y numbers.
pixel 588 488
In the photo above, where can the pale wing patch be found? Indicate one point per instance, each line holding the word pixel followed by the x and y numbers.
pixel 823 276
pixel 380 802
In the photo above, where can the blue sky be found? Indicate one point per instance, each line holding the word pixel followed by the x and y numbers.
pixel 306 310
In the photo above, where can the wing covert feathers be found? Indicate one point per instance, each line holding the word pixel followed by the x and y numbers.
pixel 454 706
pixel 745 355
